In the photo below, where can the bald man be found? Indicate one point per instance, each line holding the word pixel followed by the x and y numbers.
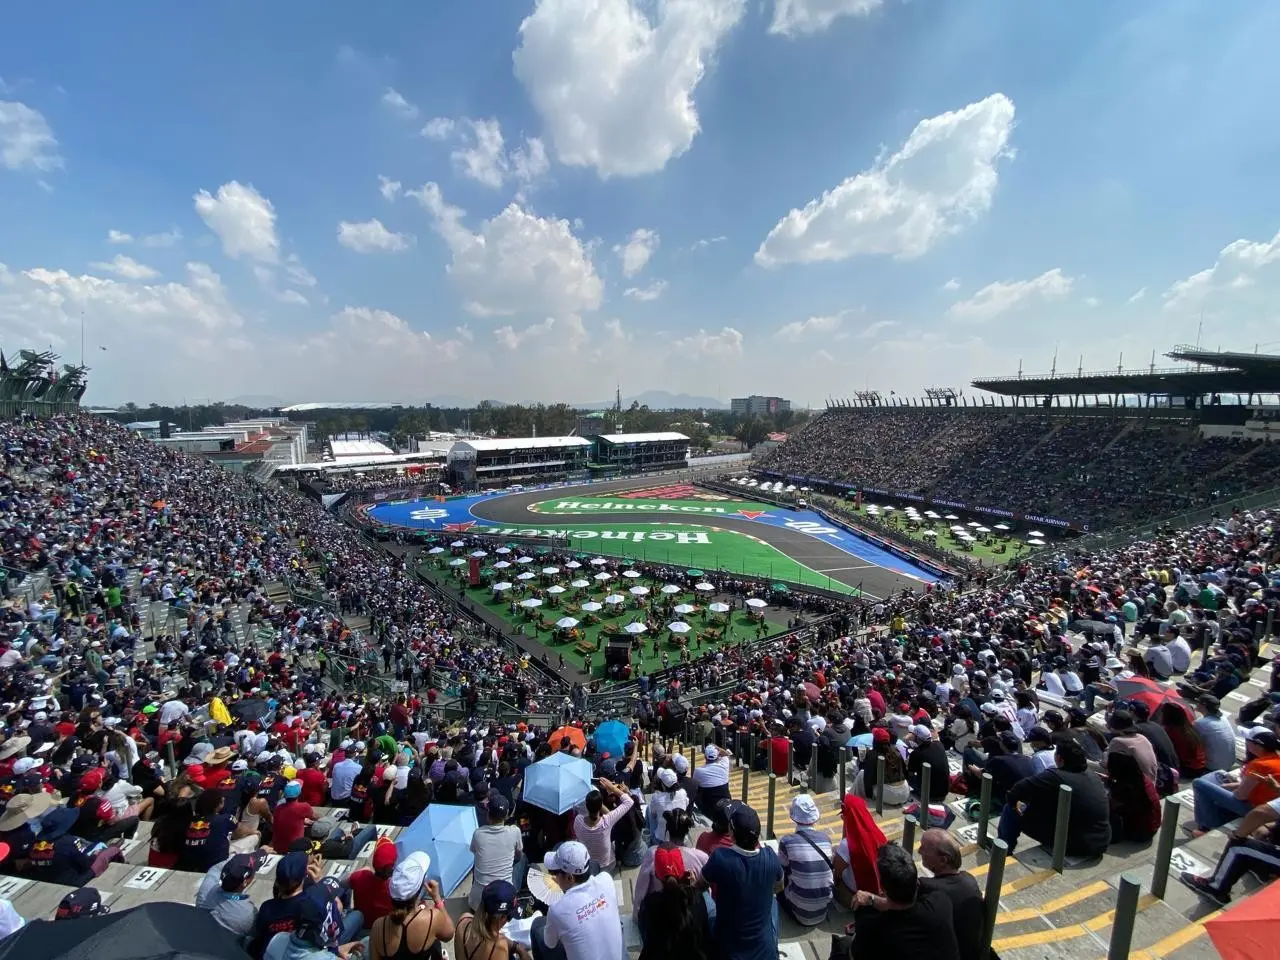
pixel 940 853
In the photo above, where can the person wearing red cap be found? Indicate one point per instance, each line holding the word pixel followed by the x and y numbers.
pixel 675 911
pixel 369 887
pixel 97 820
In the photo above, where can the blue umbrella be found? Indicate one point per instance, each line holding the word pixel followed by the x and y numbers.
pixel 612 737
pixel 557 783
pixel 443 832
pixel 860 740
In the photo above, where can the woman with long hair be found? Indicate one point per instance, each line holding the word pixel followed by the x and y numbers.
pixel 676 924
pixel 678 823
pixel 854 863
pixel 479 935
pixel 1185 738
pixel 1134 801
pixel 413 930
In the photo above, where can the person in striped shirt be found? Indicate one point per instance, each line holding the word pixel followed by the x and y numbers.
pixel 806 862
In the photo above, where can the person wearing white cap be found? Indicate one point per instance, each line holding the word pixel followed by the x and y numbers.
pixel 584 924
pixel 666 797
pixel 806 863
pixel 411 928
pixel 712 779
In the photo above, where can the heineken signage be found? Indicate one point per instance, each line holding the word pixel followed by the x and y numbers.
pixel 631 536
pixel 619 506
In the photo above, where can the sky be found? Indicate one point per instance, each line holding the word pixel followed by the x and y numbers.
pixel 540 200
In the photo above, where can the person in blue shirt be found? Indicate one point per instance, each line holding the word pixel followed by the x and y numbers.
pixel 746 877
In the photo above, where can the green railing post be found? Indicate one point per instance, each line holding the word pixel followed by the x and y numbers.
pixel 773 790
pixel 1126 914
pixel 909 824
pixel 926 775
pixel 173 764
pixel 746 780
pixel 995 880
pixel 1164 847
pixel 844 761
pixel 984 811
pixel 880 785
pixel 1061 828
pixel 791 762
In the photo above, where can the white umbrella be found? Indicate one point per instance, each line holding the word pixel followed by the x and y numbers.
pixel 479 553
pixel 929 533
pixel 716 608
pixel 604 575
pixel 670 588
pixel 531 603
pixel 639 591
pixel 1002 526
pixel 525 576
pixel 572 565
pixel 436 550
pixel 615 598
pixel 983 529
pixel 973 523
pixel 1035 533
pixel 889 507
pixel 631 574
pixel 566 623
pixel 458 543
pixel 683 608
pixel 501 565
pixel 757 603
pixel 550 571
pixel 950 516
pixel 580 584
pixel 956 528
pixel 804 489
pixel 1036 543
pixel 599 562
pixel 679 627
pixel 557 589
pixel 457 563
pixel 635 628
pixel 497 587
pixel 503 550
pixel 592 606
pixel 931 515
pixel 791 488
pixel 704 587
pixel 524 559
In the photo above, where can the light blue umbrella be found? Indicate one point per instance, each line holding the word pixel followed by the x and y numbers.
pixel 557 783
pixel 860 740
pixel 443 832
pixel 612 737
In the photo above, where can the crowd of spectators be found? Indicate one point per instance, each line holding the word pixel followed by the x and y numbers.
pixel 1095 470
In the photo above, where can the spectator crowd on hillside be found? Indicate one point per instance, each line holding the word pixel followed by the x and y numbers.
pixel 1095 470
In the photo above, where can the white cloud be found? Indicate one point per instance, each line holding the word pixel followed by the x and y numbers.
pixel 396 101
pixel 292 297
pixel 439 128
pixel 167 239
pixel 243 220
pixel 296 273
pixel 614 89
pixel 952 284
pixel 795 17
pixel 1138 296
pixel 635 253
pixel 388 188
pixel 1091 302
pixel 725 344
pixel 814 326
pixel 127 267
pixel 706 242
pixel 509 338
pixel 371 237
pixel 943 177
pixel 26 139
pixel 644 294
pixel 360 333
pixel 117 236
pixel 517 263
pixel 1244 281
pixel 1000 297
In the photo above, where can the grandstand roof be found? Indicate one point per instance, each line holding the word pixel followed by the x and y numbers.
pixel 485 445
pixel 360 448
pixel 642 437
pixel 1213 372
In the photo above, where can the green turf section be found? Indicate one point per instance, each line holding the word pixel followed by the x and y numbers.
pixel 586 506
pixel 682 545
pixel 734 627
pixel 985 551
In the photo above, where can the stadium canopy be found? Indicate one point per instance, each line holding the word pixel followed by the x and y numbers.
pixel 1214 373
pixel 495 445
pixel 667 436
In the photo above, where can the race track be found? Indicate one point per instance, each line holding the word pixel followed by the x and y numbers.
pixel 852 562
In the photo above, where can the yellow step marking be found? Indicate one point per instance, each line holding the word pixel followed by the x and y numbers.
pixel 1031 879
pixel 1175 940
pixel 1093 925
pixel 1052 906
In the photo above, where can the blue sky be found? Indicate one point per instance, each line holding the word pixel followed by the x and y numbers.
pixel 537 200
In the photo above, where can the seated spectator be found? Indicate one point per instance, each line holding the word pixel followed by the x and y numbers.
pixel 853 865
pixel 317 933
pixel 940 854
pixel 499 851
pixel 928 750
pixel 896 790
pixel 280 913
pixel 370 886
pixel 340 840
pixel 1221 797
pixel 678 825
pixel 712 780
pixel 412 928
pixel 1031 806
pixel 720 834
pixel 905 921
pixel 290 820
pixel 666 797
pixel 807 865
pixel 1216 733
pixel 1184 736
pixel 479 936
pixel 1125 738
pixel 1254 848
pixel 208 836
pixel 584 924
pixel 676 919
pixel 1134 802
pixel 222 892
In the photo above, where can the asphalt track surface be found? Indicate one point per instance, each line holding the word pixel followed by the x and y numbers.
pixel 513 510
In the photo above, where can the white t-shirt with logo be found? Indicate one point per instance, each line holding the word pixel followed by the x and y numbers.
pixel 586 921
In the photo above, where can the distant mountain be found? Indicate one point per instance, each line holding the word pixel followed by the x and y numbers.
pixel 661 400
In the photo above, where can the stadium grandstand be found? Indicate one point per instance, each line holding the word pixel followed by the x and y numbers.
pixel 624 453
pixel 235 724
pixel 486 462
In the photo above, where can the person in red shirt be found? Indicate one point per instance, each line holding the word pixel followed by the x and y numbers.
pixel 779 750
pixel 369 887
pixel 291 818
pixel 315 785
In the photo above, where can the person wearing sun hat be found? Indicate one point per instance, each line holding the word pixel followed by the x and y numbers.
pixel 806 861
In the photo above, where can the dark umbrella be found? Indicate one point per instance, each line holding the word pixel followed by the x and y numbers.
pixel 249 709
pixel 153 931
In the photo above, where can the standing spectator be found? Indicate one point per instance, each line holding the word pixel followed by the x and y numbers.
pixel 806 863
pixel 712 780
pixel 746 876
pixel 594 829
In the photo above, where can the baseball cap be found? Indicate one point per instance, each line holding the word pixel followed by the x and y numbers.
pixel 242 867
pixel 680 764
pixel 498 897
pixel 24 764
pixel 293 789
pixel 321 829
pixel 384 855
pixel 570 857
pixel 744 822
pixel 1263 737
pixel 292 868
pixel 498 806
pixel 711 752
pixel 85 902
pixel 667 777
pixel 409 876
pixel 1209 701
pixel 921 732
pixel 668 863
